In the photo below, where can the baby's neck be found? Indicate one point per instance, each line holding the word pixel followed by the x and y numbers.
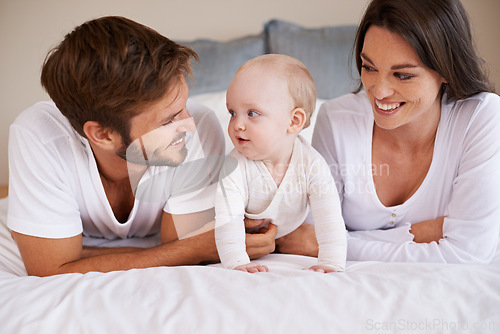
pixel 278 167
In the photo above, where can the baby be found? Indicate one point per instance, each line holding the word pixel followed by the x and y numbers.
pixel 272 173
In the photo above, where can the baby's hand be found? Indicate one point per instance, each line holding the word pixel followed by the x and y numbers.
pixel 325 269
pixel 252 267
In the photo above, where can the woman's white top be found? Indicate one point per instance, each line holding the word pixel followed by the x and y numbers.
pixel 462 183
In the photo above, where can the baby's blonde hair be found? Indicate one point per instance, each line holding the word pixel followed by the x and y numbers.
pixel 300 82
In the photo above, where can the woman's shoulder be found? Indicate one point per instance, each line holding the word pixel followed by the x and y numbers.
pixel 481 107
pixel 478 100
pixel 351 113
pixel 354 104
pixel 471 121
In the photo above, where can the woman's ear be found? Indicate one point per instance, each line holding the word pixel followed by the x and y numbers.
pixel 102 137
pixel 297 121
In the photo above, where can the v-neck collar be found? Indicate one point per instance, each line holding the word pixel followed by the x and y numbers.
pixel 430 171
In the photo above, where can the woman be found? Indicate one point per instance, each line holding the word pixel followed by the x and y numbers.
pixel 416 154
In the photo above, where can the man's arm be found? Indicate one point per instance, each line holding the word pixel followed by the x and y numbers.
pixel 174 227
pixel 46 257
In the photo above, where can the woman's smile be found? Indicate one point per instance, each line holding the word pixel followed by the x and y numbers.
pixel 387 108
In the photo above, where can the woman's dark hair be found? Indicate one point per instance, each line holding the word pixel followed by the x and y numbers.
pixel 439 31
pixel 107 70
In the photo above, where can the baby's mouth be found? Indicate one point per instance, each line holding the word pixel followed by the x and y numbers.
pixel 242 140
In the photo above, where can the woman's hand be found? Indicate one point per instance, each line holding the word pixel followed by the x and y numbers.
pixel 428 230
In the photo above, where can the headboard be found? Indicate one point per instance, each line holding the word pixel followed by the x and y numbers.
pixel 325 51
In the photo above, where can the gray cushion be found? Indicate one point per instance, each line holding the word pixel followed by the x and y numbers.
pixel 219 61
pixel 325 51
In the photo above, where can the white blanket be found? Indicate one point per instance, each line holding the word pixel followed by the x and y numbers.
pixel 370 297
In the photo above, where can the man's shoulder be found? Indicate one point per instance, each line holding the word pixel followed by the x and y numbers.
pixel 44 121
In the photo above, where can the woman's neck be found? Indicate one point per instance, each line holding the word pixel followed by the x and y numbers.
pixel 411 137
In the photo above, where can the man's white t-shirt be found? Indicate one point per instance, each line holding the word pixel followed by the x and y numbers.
pixel 56 192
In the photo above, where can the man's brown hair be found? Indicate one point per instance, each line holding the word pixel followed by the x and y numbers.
pixel 108 69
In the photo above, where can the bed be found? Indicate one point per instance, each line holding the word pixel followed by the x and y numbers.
pixel 370 297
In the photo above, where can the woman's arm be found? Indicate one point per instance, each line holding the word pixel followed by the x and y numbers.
pixel 428 231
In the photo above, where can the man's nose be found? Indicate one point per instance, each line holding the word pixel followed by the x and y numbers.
pixel 186 123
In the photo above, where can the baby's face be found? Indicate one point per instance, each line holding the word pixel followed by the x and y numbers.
pixel 260 107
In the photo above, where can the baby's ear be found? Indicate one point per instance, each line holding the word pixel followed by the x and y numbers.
pixel 297 120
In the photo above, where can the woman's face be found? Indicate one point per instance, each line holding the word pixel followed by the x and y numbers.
pixel 402 90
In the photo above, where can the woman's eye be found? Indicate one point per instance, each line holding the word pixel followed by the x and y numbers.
pixel 402 76
pixel 252 113
pixel 367 68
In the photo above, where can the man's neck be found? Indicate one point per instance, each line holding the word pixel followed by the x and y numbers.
pixel 114 170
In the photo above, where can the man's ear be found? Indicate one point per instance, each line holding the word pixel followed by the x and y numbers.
pixel 103 137
pixel 297 121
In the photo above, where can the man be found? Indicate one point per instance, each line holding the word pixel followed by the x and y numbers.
pixel 120 153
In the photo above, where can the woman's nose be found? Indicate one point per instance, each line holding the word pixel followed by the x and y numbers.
pixel 382 88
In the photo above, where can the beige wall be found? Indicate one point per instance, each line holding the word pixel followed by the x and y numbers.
pixel 29 28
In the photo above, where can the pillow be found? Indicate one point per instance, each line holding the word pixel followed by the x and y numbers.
pixel 325 51
pixel 219 61
pixel 217 102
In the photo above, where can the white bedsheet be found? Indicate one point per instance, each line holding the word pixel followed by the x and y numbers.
pixel 370 297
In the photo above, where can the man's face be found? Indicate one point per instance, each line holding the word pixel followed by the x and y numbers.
pixel 158 133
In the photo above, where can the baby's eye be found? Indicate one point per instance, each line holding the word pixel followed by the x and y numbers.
pixel 232 113
pixel 252 113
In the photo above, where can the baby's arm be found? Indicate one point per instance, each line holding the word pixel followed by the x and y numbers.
pixel 328 222
pixel 229 215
